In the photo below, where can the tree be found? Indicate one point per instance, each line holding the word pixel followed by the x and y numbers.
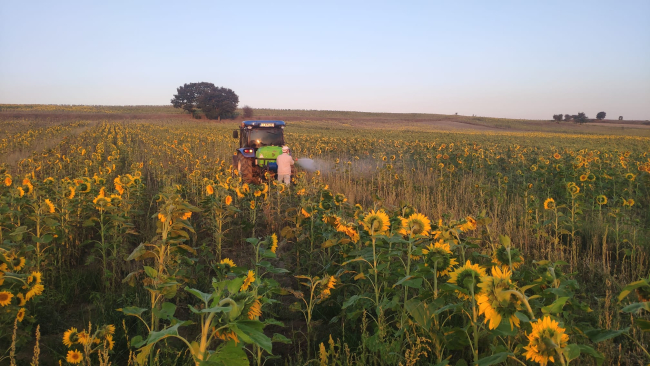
pixel 219 103
pixel 188 95
pixel 580 118
pixel 601 115
pixel 248 111
pixel 568 117
pixel 557 117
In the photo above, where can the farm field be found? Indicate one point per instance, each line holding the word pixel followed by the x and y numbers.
pixel 418 240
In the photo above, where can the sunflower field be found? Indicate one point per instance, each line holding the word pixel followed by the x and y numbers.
pixel 135 243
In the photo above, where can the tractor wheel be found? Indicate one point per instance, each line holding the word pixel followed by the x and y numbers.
pixel 245 167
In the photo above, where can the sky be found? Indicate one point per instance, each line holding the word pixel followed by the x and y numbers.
pixel 515 59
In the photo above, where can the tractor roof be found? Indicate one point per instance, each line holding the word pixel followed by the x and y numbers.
pixel 263 123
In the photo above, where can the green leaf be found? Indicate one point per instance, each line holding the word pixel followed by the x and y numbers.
pixel 599 335
pixel 351 301
pixel 137 341
pixel 228 355
pixel 592 352
pixel 279 338
pixel 419 312
pixel 496 358
pixel 523 317
pixel 636 306
pixel 251 330
pixel 152 273
pixel 166 311
pixel 632 286
pixel 201 295
pixel 167 332
pixel 556 306
pixel 505 240
pixel 643 324
pixel 409 281
pixel 572 351
pixel 137 252
pixel 132 310
pixel 234 285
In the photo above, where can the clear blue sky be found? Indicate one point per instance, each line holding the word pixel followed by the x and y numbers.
pixel 522 59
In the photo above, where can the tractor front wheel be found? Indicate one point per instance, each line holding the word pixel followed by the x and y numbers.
pixel 245 167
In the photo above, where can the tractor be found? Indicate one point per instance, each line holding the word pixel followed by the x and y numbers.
pixel 260 143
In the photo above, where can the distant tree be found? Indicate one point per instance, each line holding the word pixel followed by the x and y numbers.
pixel 620 118
pixel 218 103
pixel 188 95
pixel 557 117
pixel 580 118
pixel 248 111
pixel 601 115
pixel 568 117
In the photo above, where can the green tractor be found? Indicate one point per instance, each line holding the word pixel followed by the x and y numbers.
pixel 260 143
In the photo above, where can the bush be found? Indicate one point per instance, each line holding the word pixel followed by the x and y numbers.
pixel 248 111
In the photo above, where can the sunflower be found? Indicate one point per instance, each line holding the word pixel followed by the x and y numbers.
pixel 228 261
pixel 439 253
pixel 21 299
pixel 376 222
pixel 83 338
pixel 543 340
pixel 574 189
pixel 583 177
pixel 501 258
pixel 252 205
pixel 630 176
pixel 5 298
pixel 328 285
pixel 557 156
pixel 493 303
pixel 549 204
pixel 74 356
pixel 34 291
pixel 67 336
pixel 228 200
pixel 227 335
pixel 601 200
pixel 250 278
pixel 304 213
pixel 20 265
pixel 209 190
pixel 109 341
pixel 72 192
pixel 50 205
pixel 21 314
pixel 274 242
pixel 186 216
pixel 255 310
pixel 416 224
pixel 21 192
pixel 110 329
pixel 469 225
pixel 468 271
pixel 8 180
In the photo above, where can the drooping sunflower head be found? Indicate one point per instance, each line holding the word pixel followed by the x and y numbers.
pixel 416 224
pixel 494 302
pixel 376 222
pixel 573 189
pixel 274 242
pixel 549 204
pixel 546 334
pixel 467 277
pixel 250 278
pixel 601 200
pixel 439 256
pixel 69 337
pixel 502 258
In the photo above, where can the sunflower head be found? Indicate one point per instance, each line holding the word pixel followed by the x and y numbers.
pixel 467 277
pixel 601 200
pixel 549 204
pixel 504 256
pixel 494 302
pixel 376 222
pixel 439 256
pixel 416 224
pixel 545 336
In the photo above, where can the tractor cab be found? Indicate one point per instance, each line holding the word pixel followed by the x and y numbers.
pixel 260 143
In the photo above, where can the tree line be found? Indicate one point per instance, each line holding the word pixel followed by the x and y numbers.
pixel 581 117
